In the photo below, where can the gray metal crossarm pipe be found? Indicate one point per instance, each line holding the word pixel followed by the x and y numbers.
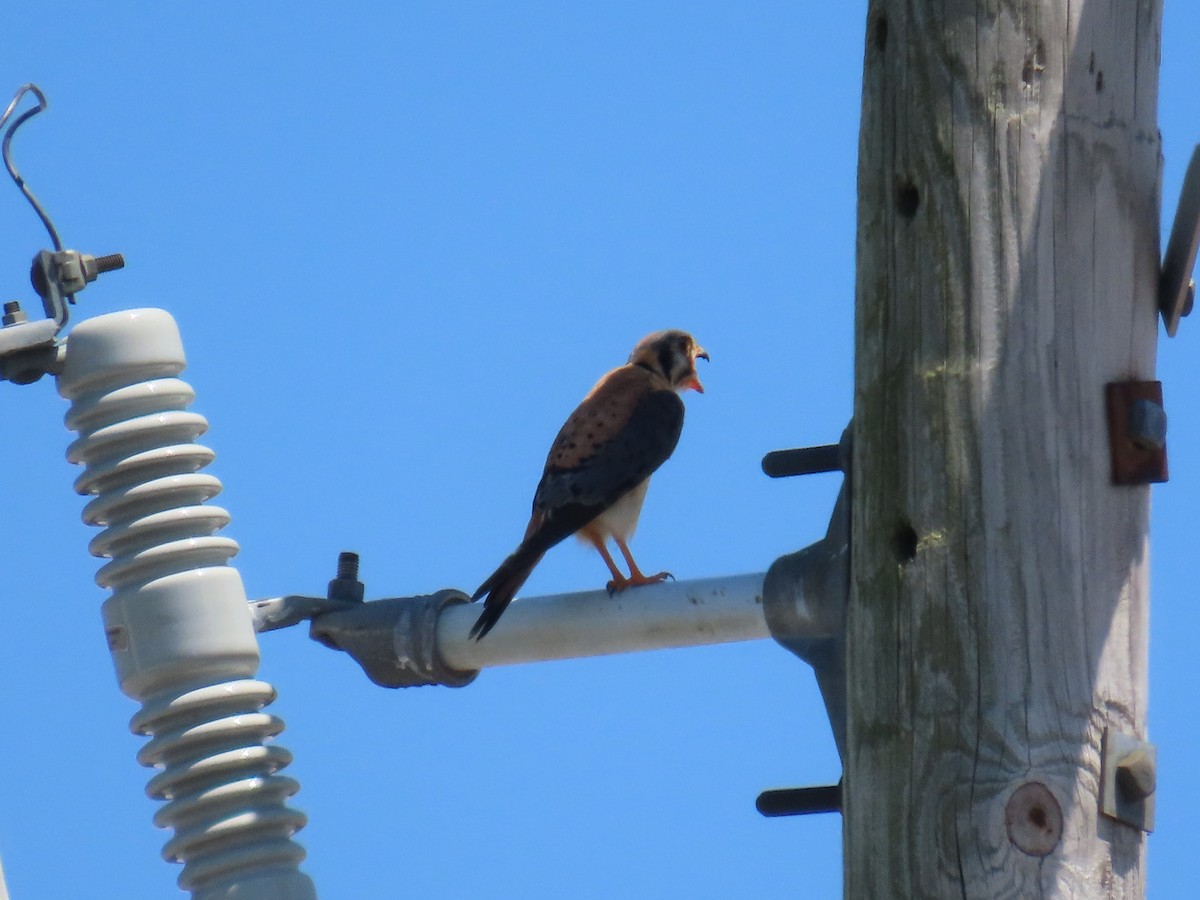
pixel 592 623
pixel 411 641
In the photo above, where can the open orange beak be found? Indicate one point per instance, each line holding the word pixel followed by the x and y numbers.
pixel 694 381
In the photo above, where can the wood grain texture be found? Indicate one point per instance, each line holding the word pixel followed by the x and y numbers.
pixel 1007 269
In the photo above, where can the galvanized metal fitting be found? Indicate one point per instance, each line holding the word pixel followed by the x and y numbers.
pixel 70 271
pixel 394 640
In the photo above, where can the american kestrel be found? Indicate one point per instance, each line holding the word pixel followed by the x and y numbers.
pixel 600 464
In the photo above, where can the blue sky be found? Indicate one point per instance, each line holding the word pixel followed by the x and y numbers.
pixel 401 243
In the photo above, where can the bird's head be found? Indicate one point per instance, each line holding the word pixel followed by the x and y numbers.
pixel 671 354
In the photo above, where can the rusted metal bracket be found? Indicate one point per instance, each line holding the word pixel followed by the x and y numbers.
pixel 1137 431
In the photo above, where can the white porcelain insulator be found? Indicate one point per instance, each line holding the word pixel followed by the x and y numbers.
pixel 177 622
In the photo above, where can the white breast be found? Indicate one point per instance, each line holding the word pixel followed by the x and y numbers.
pixel 621 518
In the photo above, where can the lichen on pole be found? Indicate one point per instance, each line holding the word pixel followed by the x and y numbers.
pixel 1008 255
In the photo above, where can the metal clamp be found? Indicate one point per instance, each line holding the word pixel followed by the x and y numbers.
pixel 29 350
pixel 394 640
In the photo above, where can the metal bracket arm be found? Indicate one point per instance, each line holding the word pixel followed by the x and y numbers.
pixel 411 641
pixel 805 598
pixel 1176 289
pixel 805 595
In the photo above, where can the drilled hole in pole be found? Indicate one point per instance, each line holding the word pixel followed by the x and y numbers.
pixel 908 199
pixel 904 543
pixel 880 32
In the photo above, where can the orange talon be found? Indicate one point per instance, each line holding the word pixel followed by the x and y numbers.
pixel 641 579
pixel 638 580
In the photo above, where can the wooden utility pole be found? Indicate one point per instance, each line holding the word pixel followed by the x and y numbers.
pixel 1008 254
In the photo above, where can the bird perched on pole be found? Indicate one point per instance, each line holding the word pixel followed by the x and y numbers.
pixel 600 464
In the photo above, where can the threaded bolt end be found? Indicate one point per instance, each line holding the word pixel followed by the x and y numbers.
pixel 346 587
pixel 109 263
pixel 347 565
pixel 13 315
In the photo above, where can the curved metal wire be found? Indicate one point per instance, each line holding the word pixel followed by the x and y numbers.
pixel 8 163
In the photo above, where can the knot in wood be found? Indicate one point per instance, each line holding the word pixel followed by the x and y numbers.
pixel 1034 819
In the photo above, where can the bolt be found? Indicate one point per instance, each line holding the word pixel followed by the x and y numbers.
pixel 13 314
pixel 93 266
pixel 1135 775
pixel 1147 425
pixel 347 566
pixel 109 263
pixel 346 586
pixel 802 461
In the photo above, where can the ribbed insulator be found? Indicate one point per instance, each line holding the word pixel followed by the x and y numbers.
pixel 177 623
pixel 225 798
pixel 142 465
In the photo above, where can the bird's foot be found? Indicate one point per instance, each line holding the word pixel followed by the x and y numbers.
pixel 636 580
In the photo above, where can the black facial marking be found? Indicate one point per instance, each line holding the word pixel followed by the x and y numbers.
pixel 665 357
